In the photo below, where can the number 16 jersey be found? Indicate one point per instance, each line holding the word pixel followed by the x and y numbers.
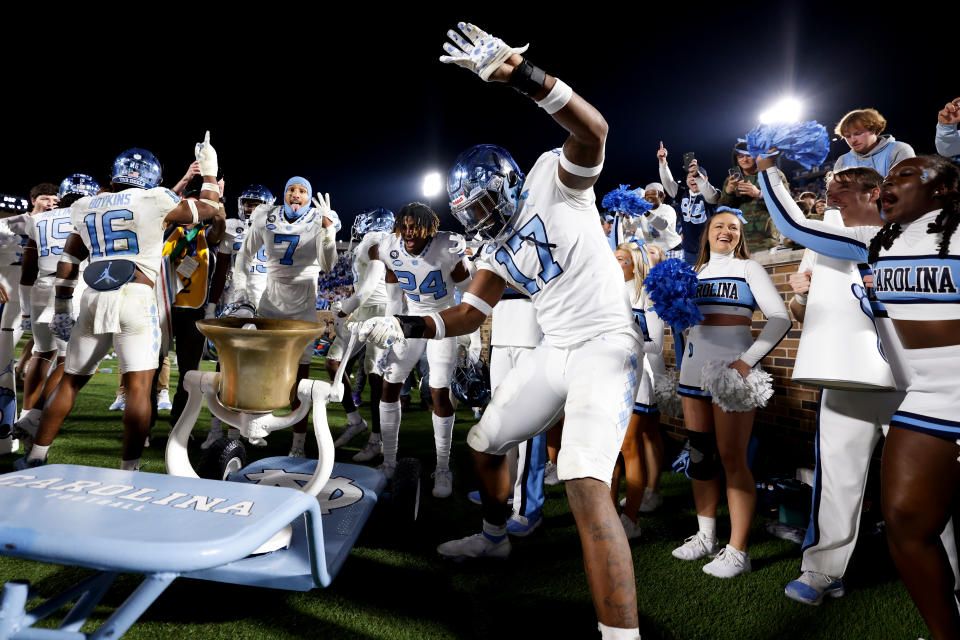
pixel 559 257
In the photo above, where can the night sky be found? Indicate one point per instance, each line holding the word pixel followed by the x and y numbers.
pixel 363 109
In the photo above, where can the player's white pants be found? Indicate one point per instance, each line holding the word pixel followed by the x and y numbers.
pixel 850 424
pixel 441 357
pixel 593 383
pixel 290 301
pixel 525 464
pixel 373 354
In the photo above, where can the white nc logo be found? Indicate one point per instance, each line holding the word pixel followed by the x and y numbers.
pixel 339 492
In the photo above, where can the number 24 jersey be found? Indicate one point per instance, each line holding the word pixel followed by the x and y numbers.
pixel 424 278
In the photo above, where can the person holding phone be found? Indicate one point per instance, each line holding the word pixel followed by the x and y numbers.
pixel 948 138
pixel 741 191
pixel 698 201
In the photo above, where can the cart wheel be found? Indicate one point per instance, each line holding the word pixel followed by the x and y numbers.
pixel 405 491
pixel 223 457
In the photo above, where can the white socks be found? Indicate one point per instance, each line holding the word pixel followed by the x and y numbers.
pixel 617 633
pixel 493 532
pixel 38 453
pixel 708 527
pixel 390 429
pixel 443 438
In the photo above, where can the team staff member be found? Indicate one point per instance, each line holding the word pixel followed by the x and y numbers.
pixel 730 287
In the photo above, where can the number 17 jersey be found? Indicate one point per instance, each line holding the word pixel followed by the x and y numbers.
pixel 559 257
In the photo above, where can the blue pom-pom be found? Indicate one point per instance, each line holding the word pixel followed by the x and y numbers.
pixel 806 143
pixel 626 201
pixel 672 286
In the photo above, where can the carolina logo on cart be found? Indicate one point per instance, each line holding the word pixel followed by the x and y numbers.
pixel 127 497
pixel 339 492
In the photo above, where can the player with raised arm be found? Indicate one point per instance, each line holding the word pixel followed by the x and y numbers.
pixel 369 300
pixel 299 241
pixel 545 242
pixel 423 265
pixel 122 234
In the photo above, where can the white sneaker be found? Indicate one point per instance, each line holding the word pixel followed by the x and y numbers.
pixel 215 434
pixel 388 469
pixel 442 483
pixel 370 450
pixel 811 587
pixel 550 474
pixel 163 401
pixel 651 501
pixel 695 547
pixel 119 403
pixel 631 528
pixel 297 452
pixel 475 546
pixel 729 562
pixel 351 432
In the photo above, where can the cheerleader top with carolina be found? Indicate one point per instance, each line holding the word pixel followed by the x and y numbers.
pixel 645 319
pixel 732 286
pixel 911 281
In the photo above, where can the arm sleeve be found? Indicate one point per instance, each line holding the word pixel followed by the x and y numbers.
pixel 844 243
pixel 654 329
pixel 948 140
pixel 710 193
pixel 327 248
pixel 665 217
pixel 394 299
pixel 371 279
pixel 666 178
pixel 771 304
pixel 251 244
pixel 19 224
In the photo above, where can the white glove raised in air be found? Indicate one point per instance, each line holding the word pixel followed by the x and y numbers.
pixel 322 203
pixel 480 52
pixel 206 157
pixel 383 331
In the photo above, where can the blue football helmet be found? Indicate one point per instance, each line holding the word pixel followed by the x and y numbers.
pixel 376 219
pixel 79 183
pixel 254 193
pixel 471 383
pixel 136 168
pixel 484 190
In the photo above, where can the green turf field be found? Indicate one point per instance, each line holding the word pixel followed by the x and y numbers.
pixel 394 587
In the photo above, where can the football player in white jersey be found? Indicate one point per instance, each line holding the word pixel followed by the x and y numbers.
pixel 547 244
pixel 423 264
pixel 369 300
pixel 122 234
pixel 48 232
pixel 298 241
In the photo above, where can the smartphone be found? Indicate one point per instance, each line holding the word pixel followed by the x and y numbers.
pixel 735 173
pixel 688 157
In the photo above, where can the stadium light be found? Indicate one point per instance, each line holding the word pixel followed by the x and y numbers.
pixel 432 184
pixel 784 110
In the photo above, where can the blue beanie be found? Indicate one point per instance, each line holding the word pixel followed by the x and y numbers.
pixel 303 209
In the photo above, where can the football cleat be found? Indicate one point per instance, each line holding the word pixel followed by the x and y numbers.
pixel 351 432
pixel 370 450
pixel 442 483
pixel 475 546
pixel 119 403
pixel 163 401
pixel 388 469
pixel 811 587
pixel 297 452
pixel 550 477
pixel 23 463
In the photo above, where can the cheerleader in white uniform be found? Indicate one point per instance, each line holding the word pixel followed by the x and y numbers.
pixel 913 264
pixel 641 468
pixel 730 287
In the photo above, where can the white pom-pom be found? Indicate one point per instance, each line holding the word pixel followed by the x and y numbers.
pixel 666 396
pixel 733 392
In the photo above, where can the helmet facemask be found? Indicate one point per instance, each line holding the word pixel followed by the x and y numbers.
pixel 486 212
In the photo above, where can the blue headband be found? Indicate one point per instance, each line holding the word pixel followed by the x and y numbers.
pixel 640 241
pixel 303 209
pixel 736 212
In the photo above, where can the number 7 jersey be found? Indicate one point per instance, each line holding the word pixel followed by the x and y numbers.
pixel 126 225
pixel 424 278
pixel 559 257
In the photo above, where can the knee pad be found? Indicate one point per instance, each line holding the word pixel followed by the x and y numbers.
pixel 704 456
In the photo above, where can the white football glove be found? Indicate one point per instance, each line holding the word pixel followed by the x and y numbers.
pixel 460 246
pixel 480 52
pixel 383 331
pixel 62 325
pixel 322 204
pixel 210 311
pixel 25 324
pixel 206 156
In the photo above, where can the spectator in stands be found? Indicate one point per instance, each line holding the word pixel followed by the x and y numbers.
pixel 948 139
pixel 818 208
pixel 741 191
pixel 659 225
pixel 861 128
pixel 698 201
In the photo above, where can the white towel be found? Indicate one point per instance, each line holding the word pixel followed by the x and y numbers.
pixel 106 315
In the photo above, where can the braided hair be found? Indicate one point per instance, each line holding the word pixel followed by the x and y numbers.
pixel 948 180
pixel 425 221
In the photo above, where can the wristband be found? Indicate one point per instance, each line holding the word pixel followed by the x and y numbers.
pixel 800 299
pixel 193 211
pixel 212 203
pixel 440 331
pixel 577 170
pixel 412 326
pixel 66 257
pixel 477 303
pixel 527 78
pixel 210 186
pixel 558 97
pixel 65 282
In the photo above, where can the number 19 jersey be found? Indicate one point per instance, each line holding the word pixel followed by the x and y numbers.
pixel 424 278
pixel 126 225
pixel 559 257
